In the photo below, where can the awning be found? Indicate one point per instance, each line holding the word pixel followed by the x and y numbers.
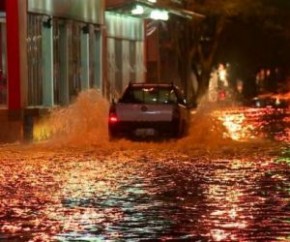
pixel 89 11
pixel 150 9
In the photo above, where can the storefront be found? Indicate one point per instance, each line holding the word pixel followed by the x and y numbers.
pixel 64 43
pixel 138 34
pixel 125 52
pixel 50 50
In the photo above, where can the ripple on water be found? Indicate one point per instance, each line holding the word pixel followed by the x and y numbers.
pixel 205 187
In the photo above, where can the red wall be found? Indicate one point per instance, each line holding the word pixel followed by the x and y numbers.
pixel 2 9
pixel 13 54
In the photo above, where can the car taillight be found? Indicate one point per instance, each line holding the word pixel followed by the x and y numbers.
pixel 113 115
pixel 113 118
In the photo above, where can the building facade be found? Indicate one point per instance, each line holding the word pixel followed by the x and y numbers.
pixel 50 50
pixel 126 44
pixel 64 49
pixel 125 52
pixel 163 38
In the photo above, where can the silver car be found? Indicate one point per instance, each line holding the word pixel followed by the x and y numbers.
pixel 149 110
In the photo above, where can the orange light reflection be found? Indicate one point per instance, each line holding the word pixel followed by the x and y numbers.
pixel 236 125
pixel 227 197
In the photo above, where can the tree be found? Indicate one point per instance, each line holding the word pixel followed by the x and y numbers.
pixel 201 38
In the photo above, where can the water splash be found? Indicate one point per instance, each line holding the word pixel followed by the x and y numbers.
pixel 84 122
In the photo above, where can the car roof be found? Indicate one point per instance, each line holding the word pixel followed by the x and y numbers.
pixel 147 84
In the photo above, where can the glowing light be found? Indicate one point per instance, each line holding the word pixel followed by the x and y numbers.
pixel 235 123
pixel 138 10
pixel 159 15
pixel 222 74
pixel 113 119
pixel 219 234
pixel 42 130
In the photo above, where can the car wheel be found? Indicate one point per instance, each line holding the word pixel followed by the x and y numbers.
pixel 182 129
pixel 176 130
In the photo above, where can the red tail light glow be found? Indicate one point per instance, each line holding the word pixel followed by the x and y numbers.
pixel 112 115
pixel 113 118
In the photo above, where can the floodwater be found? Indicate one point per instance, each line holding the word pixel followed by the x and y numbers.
pixel 228 180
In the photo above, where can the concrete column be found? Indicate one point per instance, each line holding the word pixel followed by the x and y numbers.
pixel 85 67
pixel 47 53
pixel 98 59
pixel 64 61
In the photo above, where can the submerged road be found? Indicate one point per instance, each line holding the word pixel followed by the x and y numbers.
pixel 229 180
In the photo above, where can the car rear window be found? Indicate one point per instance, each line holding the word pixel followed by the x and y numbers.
pixel 149 95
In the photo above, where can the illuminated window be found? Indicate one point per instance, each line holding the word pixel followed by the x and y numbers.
pixel 34 54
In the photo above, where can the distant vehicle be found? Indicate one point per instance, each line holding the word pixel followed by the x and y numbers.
pixel 149 110
pixel 270 100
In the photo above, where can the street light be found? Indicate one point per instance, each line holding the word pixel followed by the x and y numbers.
pixel 138 10
pixel 159 15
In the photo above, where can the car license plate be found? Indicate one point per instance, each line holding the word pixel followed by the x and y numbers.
pixel 145 132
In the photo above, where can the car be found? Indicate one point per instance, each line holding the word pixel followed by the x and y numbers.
pixel 271 100
pixel 149 110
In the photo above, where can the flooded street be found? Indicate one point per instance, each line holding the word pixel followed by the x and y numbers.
pixel 229 180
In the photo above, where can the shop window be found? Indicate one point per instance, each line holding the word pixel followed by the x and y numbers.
pixel 94 57
pixel 56 61
pixel 74 42
pixel 34 52
pixel 112 68
pixel 119 63
pixel 132 53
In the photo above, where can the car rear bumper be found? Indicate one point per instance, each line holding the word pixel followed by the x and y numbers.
pixel 121 129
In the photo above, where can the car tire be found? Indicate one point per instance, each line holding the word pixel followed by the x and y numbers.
pixel 182 129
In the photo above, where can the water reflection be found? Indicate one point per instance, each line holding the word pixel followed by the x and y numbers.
pixel 84 123
pixel 64 197
pixel 209 186
pixel 256 123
